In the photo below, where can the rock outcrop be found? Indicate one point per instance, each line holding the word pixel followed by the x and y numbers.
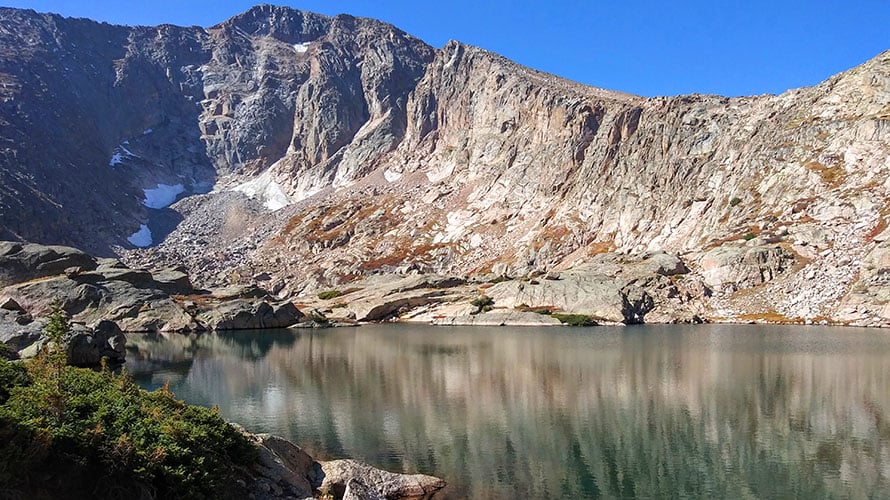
pixel 340 147
pixel 284 470
pixel 111 298
pixel 242 314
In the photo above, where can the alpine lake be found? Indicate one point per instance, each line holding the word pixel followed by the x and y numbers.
pixel 666 411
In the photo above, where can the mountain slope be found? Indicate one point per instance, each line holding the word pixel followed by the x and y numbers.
pixel 341 147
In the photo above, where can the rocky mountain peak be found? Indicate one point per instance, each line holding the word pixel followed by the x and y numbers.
pixel 319 150
pixel 281 23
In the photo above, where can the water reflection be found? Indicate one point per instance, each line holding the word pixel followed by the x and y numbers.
pixel 653 411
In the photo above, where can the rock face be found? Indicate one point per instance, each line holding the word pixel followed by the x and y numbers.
pixel 734 267
pixel 343 147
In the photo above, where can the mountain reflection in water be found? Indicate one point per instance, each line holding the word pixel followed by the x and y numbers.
pixel 649 411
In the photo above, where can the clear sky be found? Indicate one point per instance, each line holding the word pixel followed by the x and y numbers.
pixel 729 47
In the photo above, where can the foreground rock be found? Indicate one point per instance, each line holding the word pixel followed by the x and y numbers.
pixel 363 481
pixel 284 470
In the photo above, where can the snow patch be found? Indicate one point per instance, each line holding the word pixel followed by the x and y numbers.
pixel 453 58
pixel 121 153
pixel 147 131
pixel 162 196
pixel 141 238
pixel 391 176
pixel 265 188
pixel 301 48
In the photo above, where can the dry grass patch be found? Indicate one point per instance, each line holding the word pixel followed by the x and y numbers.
pixel 833 175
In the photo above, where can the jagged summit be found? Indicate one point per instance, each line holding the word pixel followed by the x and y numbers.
pixel 318 150
pixel 283 23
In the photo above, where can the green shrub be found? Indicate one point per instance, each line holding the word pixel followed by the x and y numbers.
pixel 482 303
pixel 574 319
pixel 735 201
pixel 6 352
pixel 319 318
pixel 749 236
pixel 111 439
pixel 329 294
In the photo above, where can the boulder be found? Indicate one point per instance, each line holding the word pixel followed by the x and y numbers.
pixel 603 298
pixel 27 261
pixel 284 470
pixel 337 474
pixel 241 314
pixel 355 490
pixel 75 296
pixel 284 465
pixel 88 346
pixel 731 267
pixel 381 297
pixel 660 263
pixel 173 281
pixel 18 335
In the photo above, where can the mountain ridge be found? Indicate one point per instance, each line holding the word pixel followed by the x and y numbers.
pixel 320 150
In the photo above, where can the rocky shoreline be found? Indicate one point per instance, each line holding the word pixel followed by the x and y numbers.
pixel 105 298
pixel 285 471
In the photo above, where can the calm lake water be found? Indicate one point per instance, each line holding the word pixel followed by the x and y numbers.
pixel 651 412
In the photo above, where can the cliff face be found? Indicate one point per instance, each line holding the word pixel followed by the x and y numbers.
pixel 338 147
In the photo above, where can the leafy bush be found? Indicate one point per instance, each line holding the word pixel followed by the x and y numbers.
pixel 7 352
pixel 108 438
pixel 319 319
pixel 735 201
pixel 482 303
pixel 329 294
pixel 574 319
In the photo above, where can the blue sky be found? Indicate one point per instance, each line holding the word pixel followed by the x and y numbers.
pixel 644 47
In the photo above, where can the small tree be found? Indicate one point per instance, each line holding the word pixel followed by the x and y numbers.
pixel 58 330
